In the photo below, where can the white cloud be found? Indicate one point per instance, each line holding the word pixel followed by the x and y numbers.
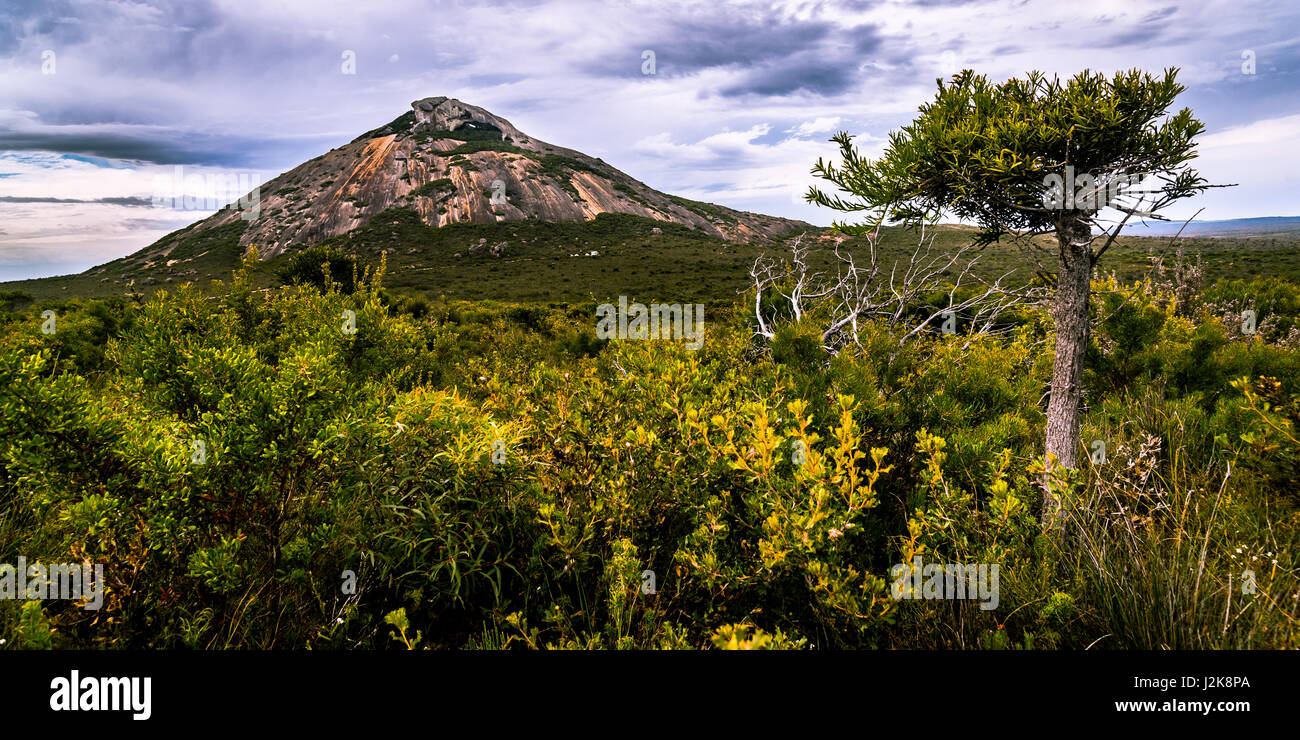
pixel 723 147
pixel 816 126
pixel 1262 159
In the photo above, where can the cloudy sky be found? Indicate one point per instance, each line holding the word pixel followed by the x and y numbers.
pixel 99 99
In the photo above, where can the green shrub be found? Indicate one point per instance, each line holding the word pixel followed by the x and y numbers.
pixel 320 267
pixel 490 475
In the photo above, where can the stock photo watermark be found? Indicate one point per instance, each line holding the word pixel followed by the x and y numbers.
pixel 209 191
pixel 1087 191
pixel 78 693
pixel 656 321
pixel 59 582
pixel 951 581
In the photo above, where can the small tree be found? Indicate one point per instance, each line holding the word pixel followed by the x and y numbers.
pixel 1024 158
pixel 320 266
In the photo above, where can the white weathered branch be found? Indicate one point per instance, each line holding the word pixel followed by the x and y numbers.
pixel 858 292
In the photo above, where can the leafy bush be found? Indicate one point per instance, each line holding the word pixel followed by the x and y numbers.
pixel 487 475
pixel 319 267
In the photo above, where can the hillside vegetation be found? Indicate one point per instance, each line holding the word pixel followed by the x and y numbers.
pixel 489 474
pixel 537 262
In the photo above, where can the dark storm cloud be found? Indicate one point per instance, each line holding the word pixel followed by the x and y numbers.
pixel 114 146
pixel 819 78
pixel 724 41
pixel 154 148
pixel 1146 34
pixel 686 43
pixel 126 201
pixel 866 39
pixel 154 37
pixel 1149 29
pixel 776 56
pixel 151 55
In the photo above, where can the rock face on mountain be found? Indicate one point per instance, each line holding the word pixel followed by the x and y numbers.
pixel 452 162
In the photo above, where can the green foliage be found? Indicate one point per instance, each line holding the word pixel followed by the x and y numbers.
pixel 324 463
pixel 744 637
pixel 474 146
pixel 400 124
pixel 799 345
pixel 320 267
pixel 13 300
pixel 703 267
pixel 435 188
pixel 707 210
pixel 469 133
pixel 1275 301
pixel 980 150
pixel 558 165
pixel 33 631
pixel 490 475
pixel 397 618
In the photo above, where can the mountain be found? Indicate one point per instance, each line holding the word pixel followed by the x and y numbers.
pixel 562 225
pixel 442 160
pixel 442 181
pixel 1268 226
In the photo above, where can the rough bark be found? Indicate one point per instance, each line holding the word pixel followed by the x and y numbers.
pixel 1070 315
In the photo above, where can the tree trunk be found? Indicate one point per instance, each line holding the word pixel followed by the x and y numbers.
pixel 1070 314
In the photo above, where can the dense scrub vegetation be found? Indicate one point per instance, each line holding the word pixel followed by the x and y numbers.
pixel 493 475
pixel 538 265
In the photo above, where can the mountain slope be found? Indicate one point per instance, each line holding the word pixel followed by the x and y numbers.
pixel 443 159
pixel 566 225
